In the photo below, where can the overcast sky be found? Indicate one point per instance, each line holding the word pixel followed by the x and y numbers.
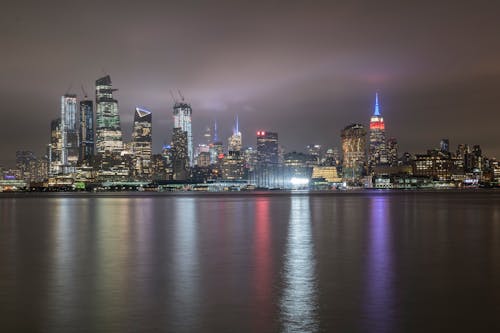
pixel 305 69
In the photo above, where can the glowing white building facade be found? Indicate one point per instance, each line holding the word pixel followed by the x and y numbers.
pixel 69 133
pixel 109 138
pixel 182 119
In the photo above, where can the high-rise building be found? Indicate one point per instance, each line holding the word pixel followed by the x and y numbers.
pixel 24 163
pixel 267 147
pixel 69 132
pixel 109 138
pixel 142 143
pixel 182 119
pixel 445 145
pixel 354 151
pixel 180 159
pixel 392 152
pixel 377 153
pixel 235 142
pixel 86 131
pixel 55 147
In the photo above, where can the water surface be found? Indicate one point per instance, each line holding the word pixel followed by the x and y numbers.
pixel 341 262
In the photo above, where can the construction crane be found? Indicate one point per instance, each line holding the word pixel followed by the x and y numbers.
pixel 173 97
pixel 180 94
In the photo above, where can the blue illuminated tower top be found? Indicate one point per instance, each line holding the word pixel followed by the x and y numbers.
pixel 377 106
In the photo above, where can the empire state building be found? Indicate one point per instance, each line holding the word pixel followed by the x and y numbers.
pixel 377 152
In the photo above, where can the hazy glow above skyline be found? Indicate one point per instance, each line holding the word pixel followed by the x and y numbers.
pixel 304 71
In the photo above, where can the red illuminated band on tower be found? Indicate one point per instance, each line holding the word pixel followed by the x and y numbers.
pixel 378 124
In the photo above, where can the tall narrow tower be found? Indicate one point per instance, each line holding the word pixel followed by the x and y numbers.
pixel 86 131
pixel 69 134
pixel 235 142
pixel 377 152
pixel 142 144
pixel 182 120
pixel 108 130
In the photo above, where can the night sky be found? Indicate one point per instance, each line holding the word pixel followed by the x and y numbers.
pixel 305 69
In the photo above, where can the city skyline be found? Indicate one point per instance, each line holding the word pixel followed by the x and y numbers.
pixel 437 74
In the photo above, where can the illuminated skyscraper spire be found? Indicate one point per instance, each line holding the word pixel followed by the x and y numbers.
pixel 377 106
pixel 216 135
pixel 377 152
pixel 237 125
pixel 235 139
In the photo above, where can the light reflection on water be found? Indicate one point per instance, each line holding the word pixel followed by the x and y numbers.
pixel 299 300
pixel 185 270
pixel 371 262
pixel 378 304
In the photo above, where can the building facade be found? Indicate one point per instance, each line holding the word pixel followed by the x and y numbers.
pixel 86 137
pixel 109 139
pixel 377 153
pixel 267 148
pixel 142 142
pixel 182 119
pixel 69 133
pixel 354 152
pixel 179 151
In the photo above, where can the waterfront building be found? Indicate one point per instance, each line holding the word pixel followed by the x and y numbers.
pixel 69 133
pixel 142 143
pixel 109 139
pixel 354 152
pixel 232 166
pixel 86 137
pixel 182 119
pixel 377 153
pixel 435 164
pixel 328 173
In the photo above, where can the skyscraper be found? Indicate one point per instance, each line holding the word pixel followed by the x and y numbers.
pixel 108 130
pixel 86 131
pixel 182 120
pixel 235 142
pixel 267 147
pixel 142 144
pixel 354 151
pixel 377 153
pixel 392 152
pixel 444 146
pixel 55 147
pixel 69 151
pixel 179 154
pixel 233 163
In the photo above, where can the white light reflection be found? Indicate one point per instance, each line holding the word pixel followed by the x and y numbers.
pixel 186 265
pixel 62 283
pixel 299 300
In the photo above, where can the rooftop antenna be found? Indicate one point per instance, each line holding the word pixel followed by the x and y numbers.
pixel 377 106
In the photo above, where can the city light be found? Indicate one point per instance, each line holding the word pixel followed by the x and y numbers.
pixel 299 181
